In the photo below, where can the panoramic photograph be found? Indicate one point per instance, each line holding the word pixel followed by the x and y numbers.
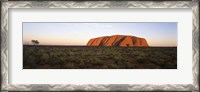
pixel 99 45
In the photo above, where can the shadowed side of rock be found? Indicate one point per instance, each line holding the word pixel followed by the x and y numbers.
pixel 118 40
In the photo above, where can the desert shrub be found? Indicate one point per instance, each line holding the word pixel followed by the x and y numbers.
pixel 98 53
pixel 52 61
pixel 81 64
pixel 31 60
pixel 117 62
pixel 140 59
pixel 71 53
pixel 44 58
pixel 113 66
pixel 129 66
pixel 170 65
pixel 96 61
pixel 99 57
pixel 151 66
pixel 161 62
pixel 118 58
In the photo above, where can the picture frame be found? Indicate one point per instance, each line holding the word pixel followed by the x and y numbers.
pixel 194 87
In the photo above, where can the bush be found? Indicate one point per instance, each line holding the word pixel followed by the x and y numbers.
pixel 99 57
pixel 44 58
pixel 140 59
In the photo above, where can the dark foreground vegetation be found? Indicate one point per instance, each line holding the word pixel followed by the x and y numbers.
pixel 74 57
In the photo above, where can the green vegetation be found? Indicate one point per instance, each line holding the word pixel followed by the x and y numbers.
pixel 35 42
pixel 74 57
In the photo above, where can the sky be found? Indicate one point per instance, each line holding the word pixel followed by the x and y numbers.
pixel 156 33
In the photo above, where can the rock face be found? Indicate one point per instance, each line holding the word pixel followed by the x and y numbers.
pixel 118 40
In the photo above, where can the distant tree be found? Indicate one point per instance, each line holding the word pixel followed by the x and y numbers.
pixel 35 42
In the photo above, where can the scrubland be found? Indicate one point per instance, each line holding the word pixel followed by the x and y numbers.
pixel 85 57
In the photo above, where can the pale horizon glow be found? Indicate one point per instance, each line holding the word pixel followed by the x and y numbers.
pixel 156 33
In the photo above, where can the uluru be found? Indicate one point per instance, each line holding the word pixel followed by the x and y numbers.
pixel 118 40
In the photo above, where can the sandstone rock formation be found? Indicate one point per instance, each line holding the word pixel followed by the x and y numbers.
pixel 118 40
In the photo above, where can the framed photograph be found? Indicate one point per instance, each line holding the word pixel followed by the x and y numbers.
pixel 100 46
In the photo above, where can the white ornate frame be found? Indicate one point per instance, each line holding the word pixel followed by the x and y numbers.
pixel 99 4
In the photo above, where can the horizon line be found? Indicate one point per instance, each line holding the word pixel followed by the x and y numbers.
pixel 94 46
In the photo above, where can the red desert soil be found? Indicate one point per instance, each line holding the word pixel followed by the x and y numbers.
pixel 118 40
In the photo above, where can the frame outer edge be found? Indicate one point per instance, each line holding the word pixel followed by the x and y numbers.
pixel 195 45
pixel 4 45
pixel 92 87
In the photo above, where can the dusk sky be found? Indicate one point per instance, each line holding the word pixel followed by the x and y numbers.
pixel 156 33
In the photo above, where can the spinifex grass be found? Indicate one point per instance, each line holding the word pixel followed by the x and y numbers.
pixel 84 57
